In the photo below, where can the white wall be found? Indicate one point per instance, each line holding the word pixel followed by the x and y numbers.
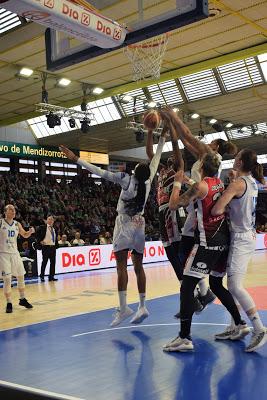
pixel 19 133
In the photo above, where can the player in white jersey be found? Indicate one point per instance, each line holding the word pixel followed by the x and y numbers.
pixel 241 199
pixel 129 231
pixel 10 260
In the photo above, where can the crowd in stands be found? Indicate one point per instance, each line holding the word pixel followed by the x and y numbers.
pixel 85 211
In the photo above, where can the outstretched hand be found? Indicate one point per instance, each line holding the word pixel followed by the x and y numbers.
pixel 68 153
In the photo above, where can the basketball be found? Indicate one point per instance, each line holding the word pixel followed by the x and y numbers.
pixel 151 119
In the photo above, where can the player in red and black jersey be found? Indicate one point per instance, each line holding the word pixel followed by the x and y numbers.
pixel 209 254
pixel 170 222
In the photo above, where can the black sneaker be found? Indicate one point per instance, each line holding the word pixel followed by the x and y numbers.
pixel 9 308
pixel 208 298
pixel 198 307
pixel 24 302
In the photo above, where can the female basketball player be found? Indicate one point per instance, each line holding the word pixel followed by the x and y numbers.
pixel 129 231
pixel 10 260
pixel 209 255
pixel 241 198
pixel 198 149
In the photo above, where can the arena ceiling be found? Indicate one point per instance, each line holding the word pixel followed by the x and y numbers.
pixel 238 31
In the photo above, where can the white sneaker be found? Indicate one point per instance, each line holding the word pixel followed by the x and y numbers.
pixel 226 334
pixel 234 332
pixel 179 344
pixel 140 315
pixel 241 331
pixel 258 339
pixel 121 316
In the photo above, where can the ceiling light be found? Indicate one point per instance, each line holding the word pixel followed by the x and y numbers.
pixel 64 82
pixel 194 116
pixel 229 125
pixel 72 123
pixel 85 125
pixel 97 90
pixel 212 121
pixel 53 120
pixel 257 132
pixel 244 129
pixel 151 104
pixel 126 98
pixel 175 109
pixel 26 72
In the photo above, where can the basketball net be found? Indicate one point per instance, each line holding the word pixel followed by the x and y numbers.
pixel 146 58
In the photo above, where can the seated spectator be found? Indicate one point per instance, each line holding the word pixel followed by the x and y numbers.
pixel 78 241
pixel 63 242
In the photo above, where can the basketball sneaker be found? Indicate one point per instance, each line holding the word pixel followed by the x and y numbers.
pixel 120 316
pixel 233 332
pixel 258 339
pixel 24 302
pixel 9 308
pixel 179 344
pixel 141 314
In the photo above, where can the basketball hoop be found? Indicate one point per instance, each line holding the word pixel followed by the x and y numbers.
pixel 146 58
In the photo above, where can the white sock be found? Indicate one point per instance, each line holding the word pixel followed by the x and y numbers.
pixel 203 287
pixel 123 299
pixel 256 322
pixel 142 299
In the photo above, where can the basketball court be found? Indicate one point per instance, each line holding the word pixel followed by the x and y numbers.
pixel 64 347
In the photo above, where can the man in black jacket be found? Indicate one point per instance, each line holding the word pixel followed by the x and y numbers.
pixel 47 240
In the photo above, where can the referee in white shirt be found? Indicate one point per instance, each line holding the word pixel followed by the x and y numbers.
pixel 47 239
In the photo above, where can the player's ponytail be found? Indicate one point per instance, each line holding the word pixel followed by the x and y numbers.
pixel 136 205
pixel 250 164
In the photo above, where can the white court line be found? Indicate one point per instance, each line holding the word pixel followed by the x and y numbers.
pixel 143 326
pixel 29 389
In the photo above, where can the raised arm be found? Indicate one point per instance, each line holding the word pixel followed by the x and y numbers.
pixel 235 189
pixel 156 159
pixel 119 178
pixel 149 145
pixel 185 134
pixel 178 158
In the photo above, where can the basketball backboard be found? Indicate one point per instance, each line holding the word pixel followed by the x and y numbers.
pixel 143 19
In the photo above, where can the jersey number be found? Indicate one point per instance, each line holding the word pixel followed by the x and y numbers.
pixel 11 233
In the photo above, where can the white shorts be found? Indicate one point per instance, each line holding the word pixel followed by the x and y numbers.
pixel 11 264
pixel 241 250
pixel 129 233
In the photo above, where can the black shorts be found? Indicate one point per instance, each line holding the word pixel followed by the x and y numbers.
pixel 170 225
pixel 203 261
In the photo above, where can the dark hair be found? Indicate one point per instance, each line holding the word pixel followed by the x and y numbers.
pixel 210 164
pixel 135 205
pixel 226 147
pixel 250 164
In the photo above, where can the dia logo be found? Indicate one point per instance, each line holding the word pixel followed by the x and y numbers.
pixel 94 257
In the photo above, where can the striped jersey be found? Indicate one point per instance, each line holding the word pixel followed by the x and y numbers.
pixel 211 230
pixel 242 210
pixel 165 185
